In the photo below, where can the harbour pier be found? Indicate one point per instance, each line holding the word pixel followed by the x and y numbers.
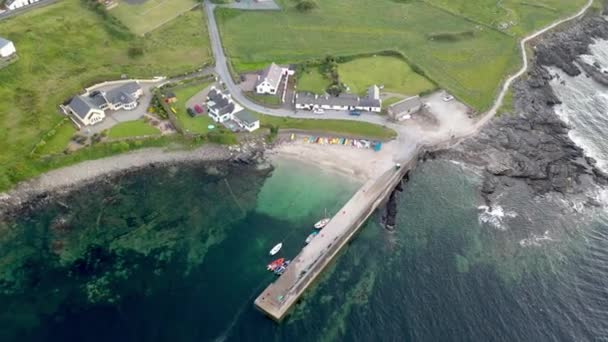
pixel 281 295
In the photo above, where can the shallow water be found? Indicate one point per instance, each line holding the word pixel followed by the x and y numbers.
pixel 189 258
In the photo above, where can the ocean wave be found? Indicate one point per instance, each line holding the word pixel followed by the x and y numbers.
pixel 535 240
pixel 495 216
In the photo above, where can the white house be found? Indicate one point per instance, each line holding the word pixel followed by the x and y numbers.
pixel 14 4
pixel 220 106
pixel 7 48
pixel 370 103
pixel 270 79
pixel 90 109
pixel 86 109
pixel 246 120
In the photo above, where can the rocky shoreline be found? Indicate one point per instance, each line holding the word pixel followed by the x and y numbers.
pixel 531 144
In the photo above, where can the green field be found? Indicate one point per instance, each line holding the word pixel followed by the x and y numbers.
pixel 339 127
pixel 132 129
pixel 468 59
pixel 58 142
pixel 56 61
pixel 198 124
pixel 393 73
pixel 151 14
pixel 313 81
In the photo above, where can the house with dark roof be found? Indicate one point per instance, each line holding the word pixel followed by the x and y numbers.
pixel 270 79
pixel 7 48
pixel 86 109
pixel 370 103
pixel 90 108
pixel 405 108
pixel 220 106
pixel 246 120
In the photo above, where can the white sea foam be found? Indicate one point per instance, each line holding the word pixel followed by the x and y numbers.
pixel 535 240
pixel 495 216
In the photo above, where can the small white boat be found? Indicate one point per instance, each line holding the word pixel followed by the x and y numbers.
pixel 311 236
pixel 322 223
pixel 276 249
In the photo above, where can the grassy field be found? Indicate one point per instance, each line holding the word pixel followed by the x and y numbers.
pixel 470 60
pixel 56 61
pixel 269 100
pixel 58 142
pixel 198 124
pixel 149 15
pixel 132 129
pixel 393 73
pixel 339 127
pixel 313 81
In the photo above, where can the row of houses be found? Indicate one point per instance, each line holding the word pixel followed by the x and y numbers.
pixel 90 108
pixel 14 4
pixel 370 103
pixel 221 108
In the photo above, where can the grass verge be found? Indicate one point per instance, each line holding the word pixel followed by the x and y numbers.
pixel 132 129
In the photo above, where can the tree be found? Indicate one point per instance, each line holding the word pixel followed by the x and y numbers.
pixel 306 5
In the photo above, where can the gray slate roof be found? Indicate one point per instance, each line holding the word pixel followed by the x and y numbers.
pixel 221 103
pixel 116 97
pixel 4 42
pixel 246 117
pixel 405 106
pixel 273 74
pixel 129 88
pixel 82 105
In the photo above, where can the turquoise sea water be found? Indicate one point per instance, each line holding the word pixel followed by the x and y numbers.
pixel 179 254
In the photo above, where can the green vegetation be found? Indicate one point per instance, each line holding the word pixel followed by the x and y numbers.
pixel 389 101
pixel 393 73
pixel 313 81
pixel 344 127
pixel 269 100
pixel 151 14
pixel 62 48
pixel 58 141
pixel 132 129
pixel 197 124
pixel 470 67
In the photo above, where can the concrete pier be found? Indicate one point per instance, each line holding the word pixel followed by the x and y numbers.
pixel 280 296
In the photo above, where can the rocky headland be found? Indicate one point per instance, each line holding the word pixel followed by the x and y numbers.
pixel 531 144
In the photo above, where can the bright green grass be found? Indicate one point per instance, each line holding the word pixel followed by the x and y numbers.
pixel 471 68
pixel 64 47
pixel 270 100
pixel 393 73
pixel 151 14
pixel 132 129
pixel 58 142
pixel 313 81
pixel 197 124
pixel 345 127
pixel 527 15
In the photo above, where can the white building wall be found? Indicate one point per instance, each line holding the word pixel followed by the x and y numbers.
pixel 8 50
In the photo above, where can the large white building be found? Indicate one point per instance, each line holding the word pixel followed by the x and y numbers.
pixel 14 4
pixel 89 109
pixel 369 103
pixel 7 48
pixel 270 79
pixel 221 108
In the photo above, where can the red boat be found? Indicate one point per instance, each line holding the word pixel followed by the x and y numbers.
pixel 275 264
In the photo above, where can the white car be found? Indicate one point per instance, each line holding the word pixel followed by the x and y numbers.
pixel 318 111
pixel 448 98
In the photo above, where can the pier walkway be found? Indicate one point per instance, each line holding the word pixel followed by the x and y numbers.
pixel 276 300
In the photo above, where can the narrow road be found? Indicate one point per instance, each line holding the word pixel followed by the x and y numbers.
pixel 221 67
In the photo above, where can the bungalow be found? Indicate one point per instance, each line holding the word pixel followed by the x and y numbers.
pixel 270 79
pixel 220 106
pixel 371 102
pixel 87 109
pixel 246 120
pixel 404 109
pixel 7 48
pixel 90 108
pixel 14 4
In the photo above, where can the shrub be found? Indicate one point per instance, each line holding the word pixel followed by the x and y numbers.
pixel 306 5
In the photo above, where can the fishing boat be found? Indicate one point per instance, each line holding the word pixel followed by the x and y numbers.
pixel 322 223
pixel 311 236
pixel 275 264
pixel 276 248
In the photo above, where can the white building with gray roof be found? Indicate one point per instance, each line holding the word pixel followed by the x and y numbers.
pixel 270 79
pixel 404 109
pixel 7 48
pixel 370 103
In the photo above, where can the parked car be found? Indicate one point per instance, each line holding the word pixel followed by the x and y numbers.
pixel 355 113
pixel 198 108
pixel 191 112
pixel 318 111
pixel 448 98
